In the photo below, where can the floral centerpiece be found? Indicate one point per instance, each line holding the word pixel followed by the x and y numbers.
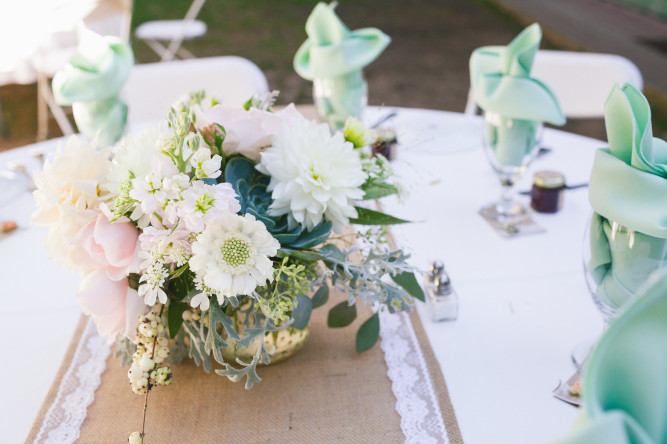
pixel 212 234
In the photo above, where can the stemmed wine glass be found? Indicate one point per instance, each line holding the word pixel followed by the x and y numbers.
pixel 337 98
pixel 510 145
pixel 617 262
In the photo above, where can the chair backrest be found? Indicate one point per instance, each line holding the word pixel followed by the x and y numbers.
pixel 153 87
pixel 581 80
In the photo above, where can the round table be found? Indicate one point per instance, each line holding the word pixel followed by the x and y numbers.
pixel 523 302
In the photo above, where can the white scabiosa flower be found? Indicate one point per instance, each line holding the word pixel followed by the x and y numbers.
pixel 314 175
pixel 232 255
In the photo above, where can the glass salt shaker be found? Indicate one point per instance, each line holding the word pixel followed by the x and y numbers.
pixel 442 300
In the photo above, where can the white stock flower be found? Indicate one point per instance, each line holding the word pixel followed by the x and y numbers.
pixel 314 175
pixel 232 255
pixel 200 300
pixel 164 246
pixel 206 166
pixel 153 280
pixel 204 203
pixel 68 197
pixel 147 189
pixel 174 187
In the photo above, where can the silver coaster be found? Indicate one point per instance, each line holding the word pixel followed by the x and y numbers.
pixel 564 391
pixel 514 227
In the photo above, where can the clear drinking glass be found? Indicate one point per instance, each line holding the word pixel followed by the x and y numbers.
pixel 337 98
pixel 617 262
pixel 510 145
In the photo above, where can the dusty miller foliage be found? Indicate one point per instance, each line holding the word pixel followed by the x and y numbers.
pixel 206 339
pixel 366 279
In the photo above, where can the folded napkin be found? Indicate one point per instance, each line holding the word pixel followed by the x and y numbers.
pixel 334 55
pixel 501 85
pixel 628 191
pixel 625 388
pixel 91 82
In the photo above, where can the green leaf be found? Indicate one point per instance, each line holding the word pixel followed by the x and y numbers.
pixel 371 217
pixel 310 239
pixel 332 251
pixel 368 333
pixel 408 281
pixel 377 190
pixel 321 296
pixel 175 317
pixel 301 313
pixel 342 315
pixel 308 256
pixel 178 272
pixel 182 284
pixel 237 169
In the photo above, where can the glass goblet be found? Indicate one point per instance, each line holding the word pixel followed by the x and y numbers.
pixel 617 262
pixel 510 145
pixel 337 98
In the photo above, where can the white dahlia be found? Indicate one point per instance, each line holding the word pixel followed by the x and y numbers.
pixel 232 255
pixel 314 175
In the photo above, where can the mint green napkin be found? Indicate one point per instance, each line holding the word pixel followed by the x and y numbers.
pixel 501 84
pixel 333 57
pixel 625 384
pixel 628 187
pixel 91 82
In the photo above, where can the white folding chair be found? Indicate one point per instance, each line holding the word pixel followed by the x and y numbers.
pixel 151 88
pixel 580 80
pixel 173 31
pixel 105 17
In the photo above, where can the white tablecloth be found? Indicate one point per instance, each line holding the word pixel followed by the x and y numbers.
pixel 523 301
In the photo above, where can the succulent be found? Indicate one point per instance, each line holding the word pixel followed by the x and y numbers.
pixel 251 187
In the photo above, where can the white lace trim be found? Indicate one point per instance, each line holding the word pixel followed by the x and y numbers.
pixel 62 423
pixel 416 401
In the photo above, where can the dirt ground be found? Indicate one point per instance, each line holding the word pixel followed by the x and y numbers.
pixel 426 64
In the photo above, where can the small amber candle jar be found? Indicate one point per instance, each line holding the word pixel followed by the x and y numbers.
pixel 385 143
pixel 546 196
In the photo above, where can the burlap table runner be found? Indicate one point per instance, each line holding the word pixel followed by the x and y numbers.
pixel 326 393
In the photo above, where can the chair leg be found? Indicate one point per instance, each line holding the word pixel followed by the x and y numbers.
pixel 44 92
pixel 185 54
pixel 157 47
pixel 4 131
pixel 42 109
